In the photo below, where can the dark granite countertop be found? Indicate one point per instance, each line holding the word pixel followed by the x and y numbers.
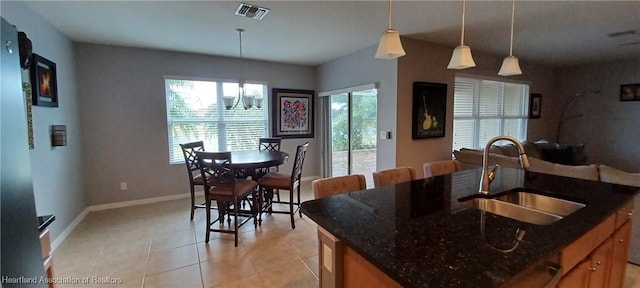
pixel 420 235
pixel 44 221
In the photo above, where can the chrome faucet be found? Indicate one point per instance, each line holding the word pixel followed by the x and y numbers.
pixel 488 176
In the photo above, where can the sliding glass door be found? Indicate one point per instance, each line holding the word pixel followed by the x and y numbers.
pixel 353 131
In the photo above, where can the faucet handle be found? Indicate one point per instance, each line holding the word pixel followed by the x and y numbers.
pixel 492 173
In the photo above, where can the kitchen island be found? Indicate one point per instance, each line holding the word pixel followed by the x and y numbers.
pixel 417 234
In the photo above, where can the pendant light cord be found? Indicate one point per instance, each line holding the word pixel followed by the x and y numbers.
pixel 464 6
pixel 390 15
pixel 513 12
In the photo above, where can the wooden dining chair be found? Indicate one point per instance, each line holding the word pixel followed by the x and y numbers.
pixel 221 185
pixel 393 176
pixel 276 180
pixel 195 179
pixel 326 187
pixel 437 168
pixel 270 144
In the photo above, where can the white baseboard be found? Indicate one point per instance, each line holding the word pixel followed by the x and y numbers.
pixel 100 207
pixel 69 229
pixel 138 202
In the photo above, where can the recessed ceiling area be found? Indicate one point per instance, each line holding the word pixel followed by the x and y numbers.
pixel 558 33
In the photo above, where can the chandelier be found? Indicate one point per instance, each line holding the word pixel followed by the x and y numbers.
pixel 248 101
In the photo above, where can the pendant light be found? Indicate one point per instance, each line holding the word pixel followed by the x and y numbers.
pixel 510 65
pixel 461 58
pixel 247 100
pixel 390 46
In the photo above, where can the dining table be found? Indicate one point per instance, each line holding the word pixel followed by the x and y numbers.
pixel 254 164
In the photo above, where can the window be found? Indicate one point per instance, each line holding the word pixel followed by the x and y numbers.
pixel 195 111
pixel 483 109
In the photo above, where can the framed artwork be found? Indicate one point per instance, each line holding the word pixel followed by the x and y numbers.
pixel 44 82
pixel 630 92
pixel 535 106
pixel 429 110
pixel 292 113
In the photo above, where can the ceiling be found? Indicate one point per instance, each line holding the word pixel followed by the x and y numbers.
pixel 559 33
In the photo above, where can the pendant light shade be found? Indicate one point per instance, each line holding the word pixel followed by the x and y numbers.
pixel 390 46
pixel 510 65
pixel 461 58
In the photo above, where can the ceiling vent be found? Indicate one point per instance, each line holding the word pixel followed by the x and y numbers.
pixel 252 11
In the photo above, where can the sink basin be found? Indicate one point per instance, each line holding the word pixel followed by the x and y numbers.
pixel 540 202
pixel 513 211
pixel 524 205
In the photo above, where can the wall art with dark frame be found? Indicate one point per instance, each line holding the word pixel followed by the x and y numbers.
pixel 44 82
pixel 630 92
pixel 429 110
pixel 292 113
pixel 535 106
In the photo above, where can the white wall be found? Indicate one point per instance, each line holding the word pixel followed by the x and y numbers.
pixel 57 172
pixel 124 115
pixel 361 68
pixel 609 127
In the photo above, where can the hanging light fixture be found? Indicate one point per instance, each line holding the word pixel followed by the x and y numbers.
pixel 390 46
pixel 247 100
pixel 510 65
pixel 461 57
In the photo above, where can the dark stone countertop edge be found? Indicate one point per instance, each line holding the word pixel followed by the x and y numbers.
pixel 44 221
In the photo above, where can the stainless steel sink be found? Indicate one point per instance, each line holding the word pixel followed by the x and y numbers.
pixel 539 202
pixel 524 205
pixel 513 211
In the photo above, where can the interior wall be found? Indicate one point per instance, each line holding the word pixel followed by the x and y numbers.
pixel 608 127
pixel 124 115
pixel 361 68
pixel 57 171
pixel 427 62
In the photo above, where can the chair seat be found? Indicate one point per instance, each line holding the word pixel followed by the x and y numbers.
pixel 197 180
pixel 275 180
pixel 243 187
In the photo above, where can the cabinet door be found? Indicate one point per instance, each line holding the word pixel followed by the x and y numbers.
pixel 601 264
pixel 620 255
pixel 578 277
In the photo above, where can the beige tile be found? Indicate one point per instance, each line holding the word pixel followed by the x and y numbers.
pixel 158 242
pixel 313 264
pixel 172 239
pixel 294 275
pixel 219 248
pixel 165 260
pixel 219 270
pixel 127 266
pixel 253 281
pixel 185 277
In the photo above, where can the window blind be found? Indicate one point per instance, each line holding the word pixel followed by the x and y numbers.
pixel 195 112
pixel 483 109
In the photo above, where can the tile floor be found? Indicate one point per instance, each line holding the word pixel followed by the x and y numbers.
pixel 156 245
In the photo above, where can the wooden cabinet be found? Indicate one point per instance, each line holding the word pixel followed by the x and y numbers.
pixel 45 244
pixel 620 255
pixel 604 265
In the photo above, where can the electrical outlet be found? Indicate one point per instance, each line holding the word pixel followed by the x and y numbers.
pixel 385 134
pixel 123 186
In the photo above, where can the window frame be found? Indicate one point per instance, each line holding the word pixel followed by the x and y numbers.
pixel 221 123
pixel 476 116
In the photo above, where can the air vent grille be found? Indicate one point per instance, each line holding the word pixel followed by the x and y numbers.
pixel 252 11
